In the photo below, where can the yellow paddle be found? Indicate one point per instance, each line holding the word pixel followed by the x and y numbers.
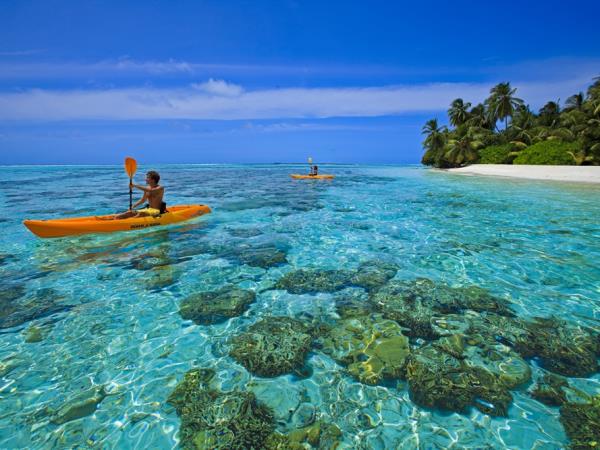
pixel 130 168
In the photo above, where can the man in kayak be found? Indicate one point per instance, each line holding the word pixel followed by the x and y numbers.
pixel 314 170
pixel 153 195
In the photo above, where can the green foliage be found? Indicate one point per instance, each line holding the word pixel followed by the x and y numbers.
pixel 458 112
pixel 496 154
pixel 434 142
pixel 552 152
pixel 554 136
pixel 502 103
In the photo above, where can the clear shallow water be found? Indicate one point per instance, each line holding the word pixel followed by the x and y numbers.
pixel 114 321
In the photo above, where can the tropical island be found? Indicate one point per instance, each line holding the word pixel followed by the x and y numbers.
pixel 554 136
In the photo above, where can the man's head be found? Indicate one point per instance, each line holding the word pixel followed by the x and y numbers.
pixel 152 177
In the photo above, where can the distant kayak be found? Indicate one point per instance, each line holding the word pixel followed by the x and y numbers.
pixel 297 176
pixel 104 224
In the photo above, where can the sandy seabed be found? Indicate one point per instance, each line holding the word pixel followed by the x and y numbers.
pixel 581 174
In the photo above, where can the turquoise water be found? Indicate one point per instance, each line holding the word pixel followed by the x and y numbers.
pixel 107 306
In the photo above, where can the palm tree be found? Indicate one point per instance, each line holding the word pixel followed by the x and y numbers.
pixel 434 141
pixel 581 157
pixel 502 103
pixel 462 151
pixel 575 102
pixel 549 114
pixel 523 118
pixel 593 92
pixel 458 112
pixel 478 117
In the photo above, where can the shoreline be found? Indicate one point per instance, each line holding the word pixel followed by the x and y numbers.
pixel 573 174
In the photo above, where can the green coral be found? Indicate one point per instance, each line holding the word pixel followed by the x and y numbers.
pixel 262 255
pixel 371 275
pixel 312 281
pixel 318 435
pixel 582 423
pixel 373 348
pixel 82 405
pixel 273 346
pixel 415 304
pixel 510 331
pixel 562 348
pixel 349 305
pixel 217 306
pixel 550 390
pixel 565 349
pixel 34 334
pixel 458 372
pixel 218 420
pixel 43 303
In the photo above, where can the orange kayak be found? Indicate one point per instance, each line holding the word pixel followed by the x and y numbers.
pixel 297 176
pixel 104 224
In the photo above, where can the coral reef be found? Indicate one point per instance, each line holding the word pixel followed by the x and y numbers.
pixel 273 346
pixel 550 390
pixel 264 256
pixel 218 420
pixel 45 302
pixel 414 303
pixel 318 435
pixel 311 281
pixel 510 331
pixel 256 255
pixel 217 306
pixel 244 232
pixel 371 275
pixel 81 406
pixel 562 348
pixel 352 302
pixel 457 372
pixel 373 348
pixel 33 334
pixel 582 423
pixel 396 302
pixel 161 277
pixel 9 293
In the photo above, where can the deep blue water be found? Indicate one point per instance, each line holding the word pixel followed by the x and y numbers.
pixel 106 306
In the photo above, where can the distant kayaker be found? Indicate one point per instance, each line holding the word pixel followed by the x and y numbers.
pixel 153 195
pixel 314 170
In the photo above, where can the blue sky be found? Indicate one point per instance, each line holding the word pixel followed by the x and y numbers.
pixel 270 81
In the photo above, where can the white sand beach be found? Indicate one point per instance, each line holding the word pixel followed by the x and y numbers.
pixel 578 174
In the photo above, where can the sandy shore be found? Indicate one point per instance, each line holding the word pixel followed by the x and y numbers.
pixel 578 174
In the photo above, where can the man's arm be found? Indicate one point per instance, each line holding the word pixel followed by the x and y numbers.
pixel 147 189
pixel 141 200
pixel 141 188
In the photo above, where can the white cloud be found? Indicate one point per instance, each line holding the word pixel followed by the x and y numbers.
pixel 152 67
pixel 219 88
pixel 20 52
pixel 219 100
pixel 124 68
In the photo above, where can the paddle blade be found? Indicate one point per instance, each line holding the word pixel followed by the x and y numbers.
pixel 310 160
pixel 130 166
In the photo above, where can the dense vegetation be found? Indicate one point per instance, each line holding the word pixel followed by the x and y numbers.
pixel 566 136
